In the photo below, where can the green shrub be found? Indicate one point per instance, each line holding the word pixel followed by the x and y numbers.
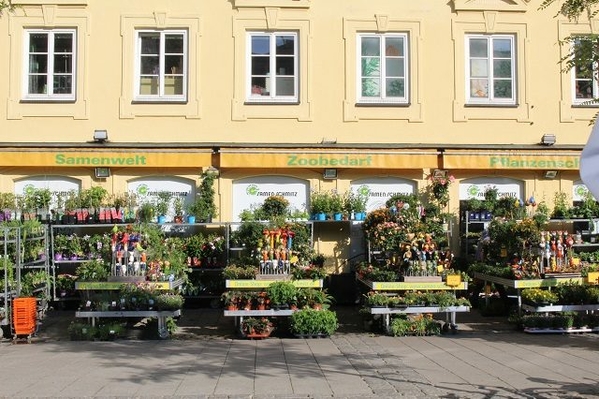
pixel 313 322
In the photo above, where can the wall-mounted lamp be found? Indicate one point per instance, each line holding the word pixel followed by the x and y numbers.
pixel 548 139
pixel 100 136
pixel 101 173
pixel 212 171
pixel 551 174
pixel 329 174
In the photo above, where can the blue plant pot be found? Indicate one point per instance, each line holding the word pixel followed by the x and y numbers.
pixel 321 216
pixel 161 219
pixel 337 216
pixel 191 219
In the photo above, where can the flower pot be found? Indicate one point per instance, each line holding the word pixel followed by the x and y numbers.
pixel 320 216
pixel 191 219
pixel 337 216
pixel 161 219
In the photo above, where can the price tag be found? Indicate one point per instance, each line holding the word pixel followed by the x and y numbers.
pixel 453 280
pixel 440 269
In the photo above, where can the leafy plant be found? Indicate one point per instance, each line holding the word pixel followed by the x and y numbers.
pixel 282 293
pixel 376 299
pixel 313 322
pixel 93 270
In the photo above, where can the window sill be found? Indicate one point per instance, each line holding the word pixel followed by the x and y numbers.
pixel 491 105
pixel 137 102
pixel 47 101
pixel 387 105
pixel 271 103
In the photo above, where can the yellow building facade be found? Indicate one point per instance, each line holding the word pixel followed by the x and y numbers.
pixel 274 93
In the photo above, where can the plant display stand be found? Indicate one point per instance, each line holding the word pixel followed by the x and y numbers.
pixel 518 285
pixel 161 316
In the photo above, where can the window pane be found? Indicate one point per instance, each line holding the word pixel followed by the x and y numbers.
pixel 502 88
pixel 479 68
pixel 502 48
pixel 150 43
pixel 285 87
pixel 371 46
pixel 285 45
pixel 394 47
pixel 173 64
pixel 173 44
pixel 173 85
pixel 148 86
pixel 38 43
pixel 394 67
pixel 502 68
pixel 584 89
pixel 285 66
pixel 63 84
pixel 260 65
pixel 37 84
pixel 478 48
pixel 371 67
pixel 260 45
pixel 38 63
pixel 371 88
pixel 150 66
pixel 259 86
pixel 479 88
pixel 584 71
pixel 63 63
pixel 63 43
pixel 395 88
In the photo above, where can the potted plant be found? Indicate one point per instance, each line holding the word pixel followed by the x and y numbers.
pixel 178 207
pixel 146 212
pixel 336 205
pixel 43 197
pixel 320 204
pixel 253 327
pixel 560 206
pixel 355 205
pixel 281 294
pixel 162 205
pixel 275 206
pixel 203 209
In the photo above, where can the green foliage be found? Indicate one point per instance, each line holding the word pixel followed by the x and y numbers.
pixel 169 301
pixel 275 206
pixel 234 272
pixel 93 270
pixel 418 325
pixel 376 299
pixel 313 322
pixel 282 292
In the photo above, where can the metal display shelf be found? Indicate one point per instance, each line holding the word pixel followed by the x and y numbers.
pixel 403 286
pixel 117 285
pixel 450 312
pixel 240 314
pixel 251 284
pixel 161 315
pixel 532 283
pixel 560 308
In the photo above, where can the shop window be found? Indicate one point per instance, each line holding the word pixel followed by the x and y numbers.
pixel 161 72
pixel 50 65
pixel 273 67
pixel 382 68
pixel 490 69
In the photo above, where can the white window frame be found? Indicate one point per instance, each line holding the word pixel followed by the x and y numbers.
pixel 491 99
pixel 383 98
pixel 594 87
pixel 162 73
pixel 49 94
pixel 272 97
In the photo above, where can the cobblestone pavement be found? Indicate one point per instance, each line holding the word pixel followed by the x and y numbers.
pixel 486 359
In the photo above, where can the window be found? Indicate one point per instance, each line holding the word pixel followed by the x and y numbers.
pixel 584 84
pixel 382 65
pixel 490 69
pixel 50 61
pixel 161 70
pixel 273 67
